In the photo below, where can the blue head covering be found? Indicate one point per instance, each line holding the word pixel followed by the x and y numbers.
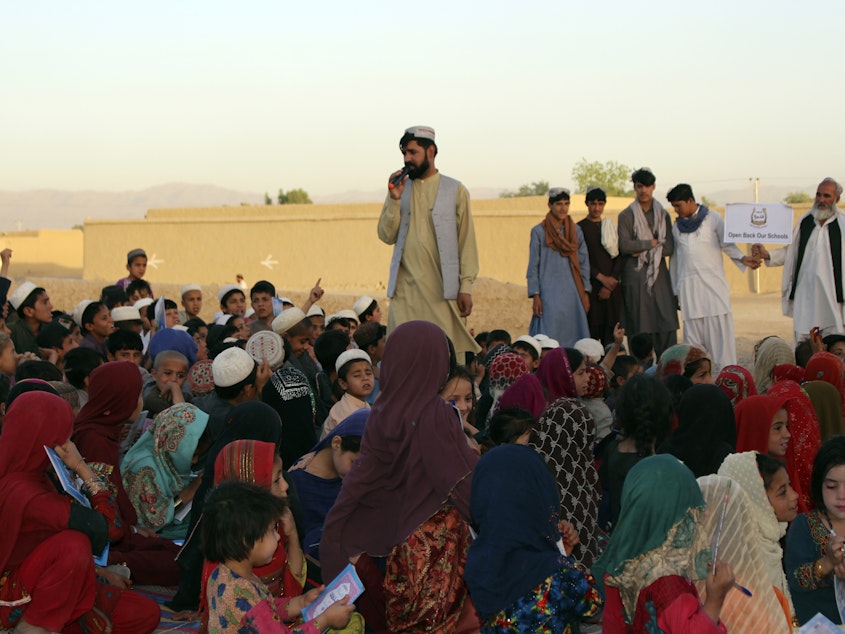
pixel 174 339
pixel 515 508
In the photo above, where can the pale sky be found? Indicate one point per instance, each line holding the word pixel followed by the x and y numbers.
pixel 260 95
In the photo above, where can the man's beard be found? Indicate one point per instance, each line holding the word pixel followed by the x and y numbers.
pixel 823 214
pixel 416 172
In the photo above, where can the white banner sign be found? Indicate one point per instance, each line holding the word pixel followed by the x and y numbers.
pixel 769 223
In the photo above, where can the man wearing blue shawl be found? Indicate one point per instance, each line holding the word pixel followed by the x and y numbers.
pixel 698 276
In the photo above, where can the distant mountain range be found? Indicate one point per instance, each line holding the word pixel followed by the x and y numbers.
pixel 58 209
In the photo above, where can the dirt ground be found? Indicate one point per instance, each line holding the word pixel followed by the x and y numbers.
pixel 496 305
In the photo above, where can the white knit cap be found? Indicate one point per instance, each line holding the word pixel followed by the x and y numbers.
pixel 287 319
pixel 347 314
pixel 190 287
pixel 531 341
pixel 351 355
pixel 231 366
pixel 80 308
pixel 225 290
pixel 143 302
pixel 315 311
pixel 549 344
pixel 125 313
pixel 590 348
pixel 362 304
pixel 21 293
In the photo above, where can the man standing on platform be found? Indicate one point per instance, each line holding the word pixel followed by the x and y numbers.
pixel 812 287
pixel 427 218
pixel 645 239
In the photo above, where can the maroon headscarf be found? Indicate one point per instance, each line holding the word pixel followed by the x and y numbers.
pixel 527 393
pixel 414 455
pixel 736 382
pixel 556 376
pixel 35 419
pixel 113 391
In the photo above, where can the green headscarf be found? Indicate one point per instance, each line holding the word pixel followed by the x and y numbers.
pixel 657 533
pixel 158 466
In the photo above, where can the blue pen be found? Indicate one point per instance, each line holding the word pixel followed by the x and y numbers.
pixel 743 589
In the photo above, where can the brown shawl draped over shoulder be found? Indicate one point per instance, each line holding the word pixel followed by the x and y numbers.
pixel 566 243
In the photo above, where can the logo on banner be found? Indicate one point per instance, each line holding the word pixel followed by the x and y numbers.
pixel 759 217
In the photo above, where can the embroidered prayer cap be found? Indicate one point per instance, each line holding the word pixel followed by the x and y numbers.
pixel 80 308
pixel 187 288
pixel 21 294
pixel 225 291
pixel 287 319
pixel 594 192
pixel 347 314
pixel 201 378
pixel 135 253
pixel 505 369
pixel 596 382
pixel 351 355
pixel 315 311
pixel 231 366
pixel 421 132
pixel 643 176
pixel 531 341
pixel 590 348
pixel 266 344
pixel 142 303
pixel 361 305
pixel 558 193
pixel 125 313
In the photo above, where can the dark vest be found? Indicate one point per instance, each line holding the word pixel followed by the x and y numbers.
pixel 834 238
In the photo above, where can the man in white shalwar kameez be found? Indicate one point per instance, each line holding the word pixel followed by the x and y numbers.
pixel 698 276
pixel 812 285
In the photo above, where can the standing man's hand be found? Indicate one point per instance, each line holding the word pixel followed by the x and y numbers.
pixel 396 191
pixel 464 299
pixel 759 251
pixel 538 306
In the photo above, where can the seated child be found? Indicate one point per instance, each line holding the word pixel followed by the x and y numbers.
pixel 79 364
pixel 458 390
pixel 170 370
pixel 58 340
pixel 232 300
pixel 136 266
pixel 319 474
pixel 37 369
pixel 125 345
pixel 191 302
pixel 8 356
pixel 624 367
pixel 97 325
pixel 642 349
pixel 370 338
pixel 593 399
pixel 512 425
pixel 686 360
pixel 138 289
pixel 33 309
pixel 295 330
pixel 317 317
pixel 239 533
pixel 114 297
pixel 355 378
pixel 367 309
pixel 127 318
pixel 261 295
pixel 592 349
pixel 328 347
pixel 529 349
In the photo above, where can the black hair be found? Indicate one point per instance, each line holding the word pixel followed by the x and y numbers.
pixel 169 304
pixel 768 467
pixel 113 295
pixel 521 345
pixel 680 193
pixel 574 357
pixel 229 392
pixel 622 367
pixel 350 443
pixel 151 312
pixel 481 338
pixel 226 297
pixel 369 312
pixel 509 424
pixel 423 143
pixel 369 334
pixel 831 454
pixel 677 384
pixel 37 369
pixel 79 363
pixel 236 515
pixel 329 346
pixel 262 286
pixel 338 321
pixel 124 340
pixel 561 195
pixel 139 285
pixel 499 335
pixel 5 387
pixel 90 310
pixel 597 193
pixel 29 301
pixel 214 336
pixel 644 412
pixel 301 328
pixel 803 352
pixel 52 335
pixel 691 368
pixel 643 177
pixel 194 324
pixel 642 345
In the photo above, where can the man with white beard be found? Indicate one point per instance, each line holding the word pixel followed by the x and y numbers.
pixel 812 286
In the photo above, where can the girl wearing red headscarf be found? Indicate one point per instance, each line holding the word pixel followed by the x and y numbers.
pixel 47 573
pixel 782 424
pixel 114 397
pixel 827 367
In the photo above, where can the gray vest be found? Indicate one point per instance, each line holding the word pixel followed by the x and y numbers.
pixel 444 215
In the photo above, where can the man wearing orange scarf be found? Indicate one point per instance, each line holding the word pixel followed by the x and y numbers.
pixel 559 274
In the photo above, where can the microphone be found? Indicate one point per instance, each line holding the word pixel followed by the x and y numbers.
pixel 395 182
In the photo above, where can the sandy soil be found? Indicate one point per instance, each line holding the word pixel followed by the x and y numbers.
pixel 496 305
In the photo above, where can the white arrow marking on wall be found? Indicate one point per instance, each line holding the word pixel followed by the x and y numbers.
pixel 153 261
pixel 269 262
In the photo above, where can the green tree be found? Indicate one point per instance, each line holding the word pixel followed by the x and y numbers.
pixel 612 177
pixel 294 197
pixel 267 199
pixel 709 202
pixel 796 198
pixel 537 188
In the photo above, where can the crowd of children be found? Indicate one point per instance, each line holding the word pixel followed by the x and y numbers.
pixel 247 460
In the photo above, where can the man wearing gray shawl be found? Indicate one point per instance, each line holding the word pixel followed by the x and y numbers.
pixel 645 238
